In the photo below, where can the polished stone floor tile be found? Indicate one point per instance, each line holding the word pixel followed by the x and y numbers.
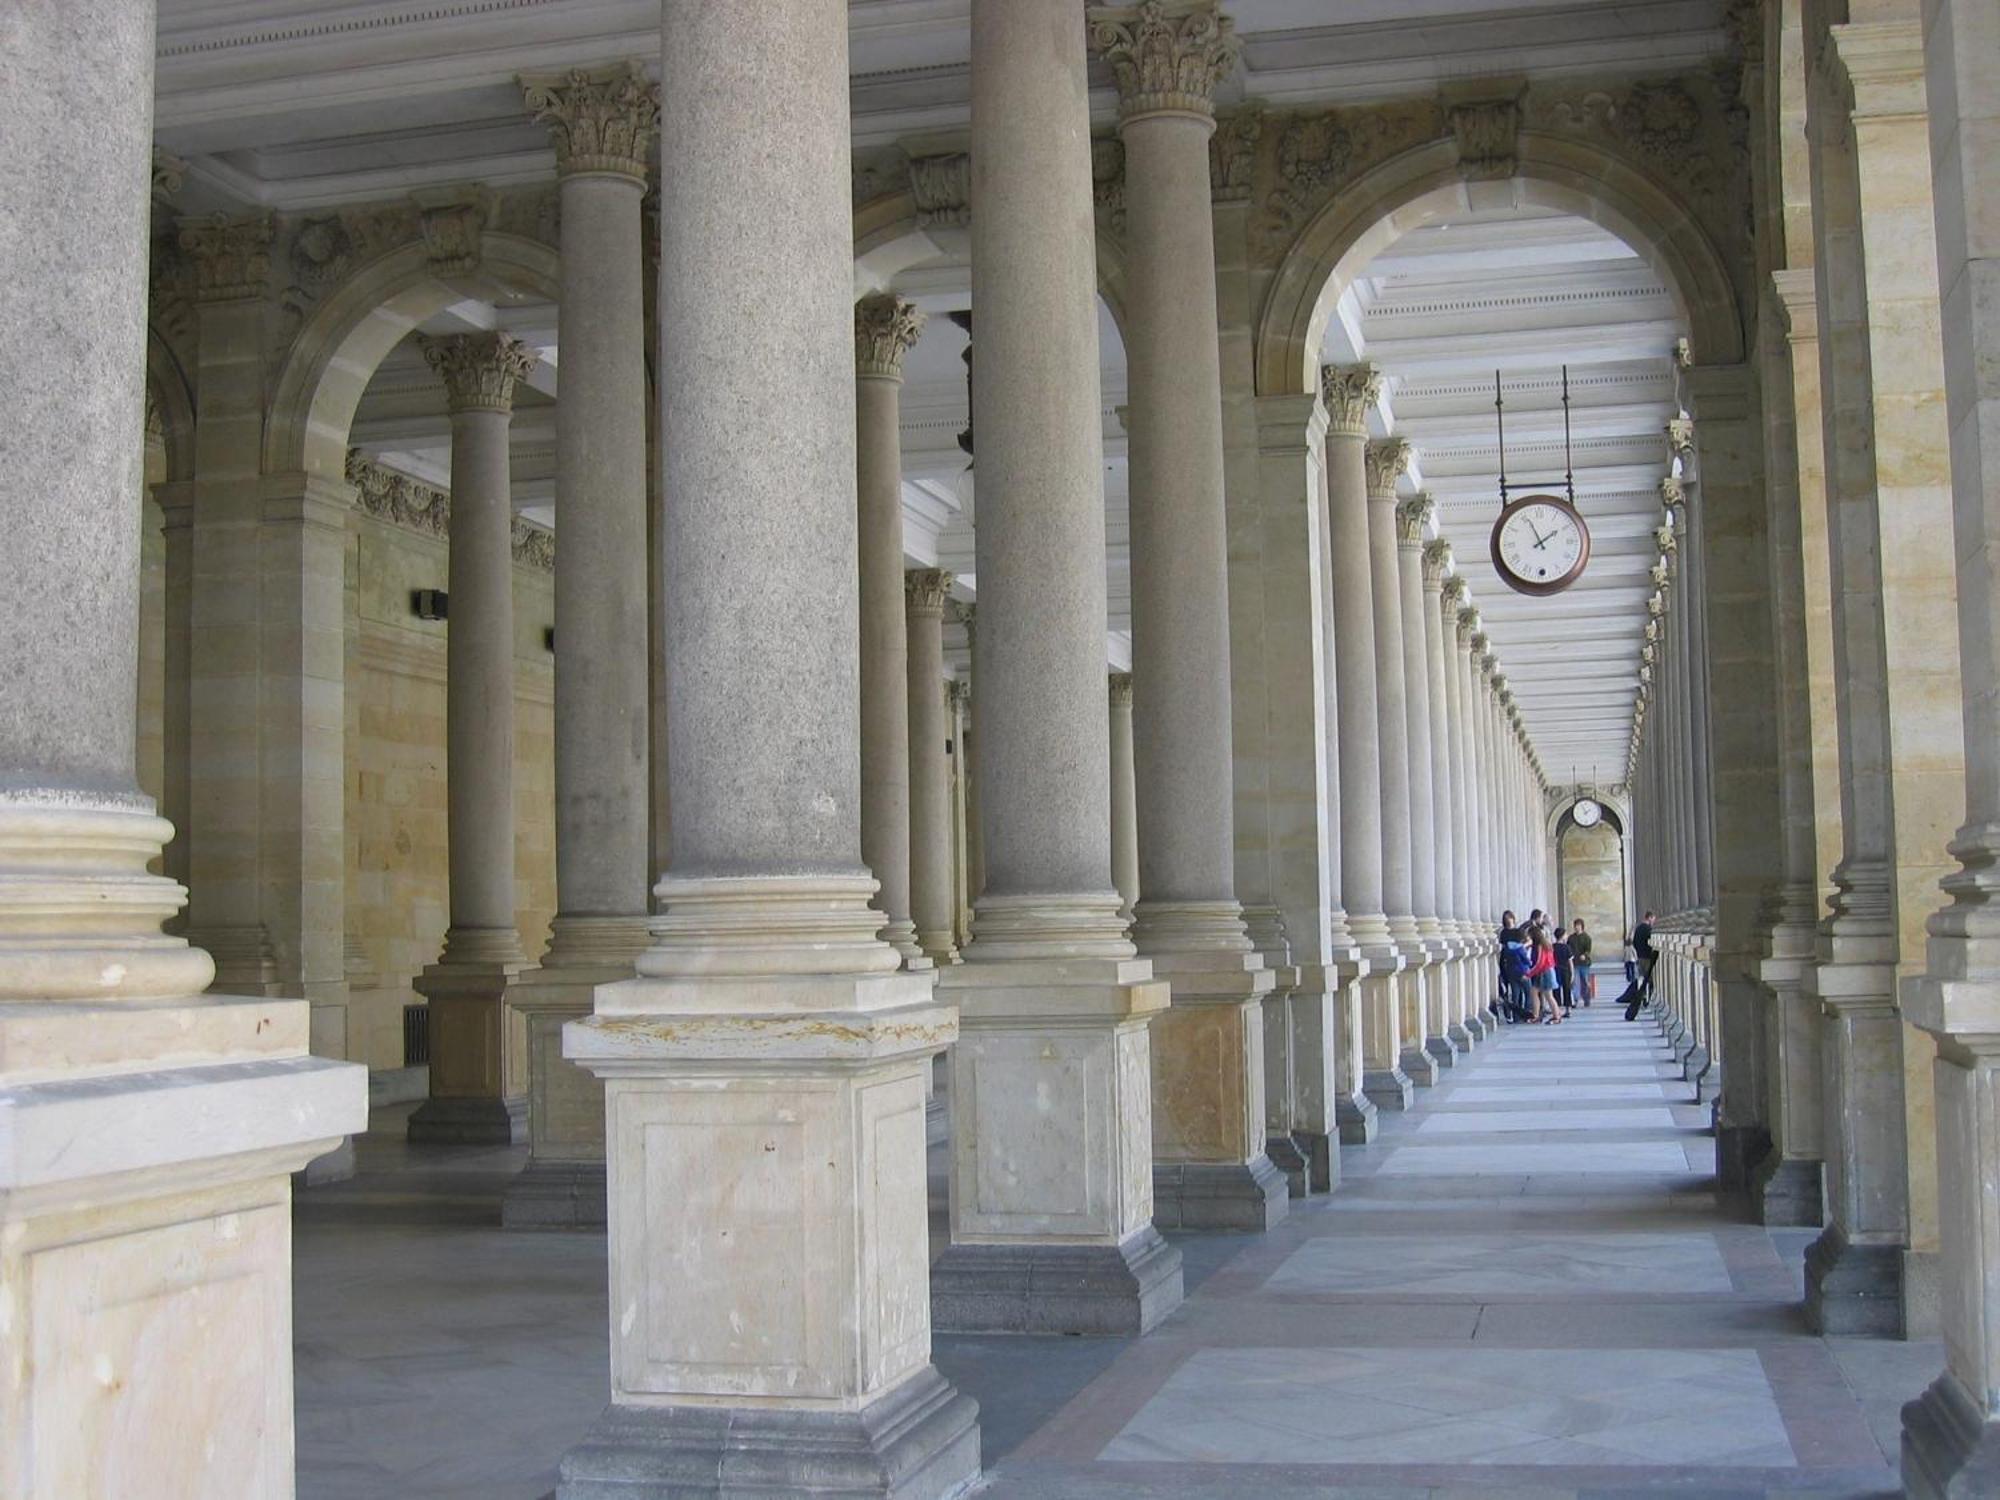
pixel 1491 1265
pixel 1495 1122
pixel 1524 1161
pixel 1485 1092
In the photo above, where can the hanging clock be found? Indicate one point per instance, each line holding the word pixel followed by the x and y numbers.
pixel 1540 544
pixel 1586 813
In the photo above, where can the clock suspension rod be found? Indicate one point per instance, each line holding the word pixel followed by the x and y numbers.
pixel 1500 421
pixel 1569 468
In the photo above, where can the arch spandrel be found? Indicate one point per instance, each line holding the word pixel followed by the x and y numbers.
pixel 349 331
pixel 1655 164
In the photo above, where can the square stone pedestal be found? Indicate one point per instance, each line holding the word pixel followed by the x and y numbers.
pixel 1356 1121
pixel 1052 1151
pixel 1383 995
pixel 146 1153
pixel 1210 1166
pixel 768 1232
pixel 479 1049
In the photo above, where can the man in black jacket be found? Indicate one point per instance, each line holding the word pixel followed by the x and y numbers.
pixel 1648 955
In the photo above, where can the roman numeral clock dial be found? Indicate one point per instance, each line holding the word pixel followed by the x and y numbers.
pixel 1540 545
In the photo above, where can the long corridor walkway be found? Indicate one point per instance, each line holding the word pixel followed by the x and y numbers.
pixel 1523 1289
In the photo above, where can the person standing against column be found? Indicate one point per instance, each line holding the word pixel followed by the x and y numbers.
pixel 478 1090
pixel 603 124
pixel 1211 1170
pixel 885 326
pixel 1051 1188
pixel 765 1071
pixel 925 594
pixel 145 1227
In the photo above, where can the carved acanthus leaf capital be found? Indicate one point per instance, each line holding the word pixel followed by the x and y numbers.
pixel 958 694
pixel 1673 492
pixel 1166 57
pixel 478 369
pixel 966 613
pixel 231 257
pixel 1388 460
pixel 1668 540
pixel 602 119
pixel 168 173
pixel 925 591
pixel 1437 563
pixel 885 326
pixel 1451 595
pixel 1349 392
pixel 1680 437
pixel 1413 519
pixel 1121 689
pixel 1659 574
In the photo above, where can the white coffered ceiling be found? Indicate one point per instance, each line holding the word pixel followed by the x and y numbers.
pixel 1525 292
pixel 304 104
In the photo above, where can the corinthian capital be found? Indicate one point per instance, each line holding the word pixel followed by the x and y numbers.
pixel 232 257
pixel 1413 519
pixel 1121 689
pixel 884 328
pixel 1166 57
pixel 1437 563
pixel 1388 460
pixel 602 119
pixel 1451 591
pixel 478 369
pixel 1673 493
pixel 1349 391
pixel 925 591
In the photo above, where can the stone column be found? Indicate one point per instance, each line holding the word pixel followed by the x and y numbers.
pixel 478 1071
pixel 1210 1166
pixel 1431 1025
pixel 967 616
pixel 885 326
pixel 1903 793
pixel 765 1071
pixel 1461 623
pixel 1051 1188
pixel 925 591
pixel 1951 1436
pixel 151 1129
pixel 602 123
pixel 1124 808
pixel 1349 393
pixel 958 718
pixel 1462 1023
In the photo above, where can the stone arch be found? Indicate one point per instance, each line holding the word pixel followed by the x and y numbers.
pixel 172 395
pixel 1427 183
pixel 1559 818
pixel 335 354
pixel 881 222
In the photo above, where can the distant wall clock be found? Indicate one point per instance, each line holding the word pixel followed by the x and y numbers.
pixel 1540 545
pixel 1586 813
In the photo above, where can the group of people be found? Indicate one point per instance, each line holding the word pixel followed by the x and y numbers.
pixel 1547 968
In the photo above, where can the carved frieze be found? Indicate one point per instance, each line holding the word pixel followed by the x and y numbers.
pixel 415 506
pixel 1318 153
pixel 534 546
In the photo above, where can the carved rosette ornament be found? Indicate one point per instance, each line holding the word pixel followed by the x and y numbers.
pixel 231 257
pixel 1349 391
pixel 1388 460
pixel 478 369
pixel 1121 689
pixel 602 119
pixel 925 590
pixel 885 326
pixel 1413 519
pixel 1437 563
pixel 1166 58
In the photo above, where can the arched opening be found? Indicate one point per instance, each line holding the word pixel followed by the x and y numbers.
pixel 1590 877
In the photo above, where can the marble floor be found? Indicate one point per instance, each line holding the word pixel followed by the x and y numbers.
pixel 1525 1288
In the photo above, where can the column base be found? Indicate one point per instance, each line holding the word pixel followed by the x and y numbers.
pixel 555 1195
pixel 1788 1193
pixel 1854 1289
pixel 336 1165
pixel 1418 1066
pixel 1322 1160
pixel 1389 1088
pixel 1290 1159
pixel 1250 1196
pixel 918 1442
pixel 1461 1037
pixel 1358 1119
pixel 470 1122
pixel 1119 1291
pixel 1739 1149
pixel 1443 1050
pixel 1951 1448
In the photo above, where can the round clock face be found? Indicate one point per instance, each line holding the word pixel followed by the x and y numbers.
pixel 1586 813
pixel 1540 545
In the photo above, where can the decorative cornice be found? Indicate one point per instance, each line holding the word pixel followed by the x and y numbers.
pixel 1121 689
pixel 925 590
pixel 231 257
pixel 1437 564
pixel 602 119
pixel 885 326
pixel 478 369
pixel 1166 58
pixel 1388 460
pixel 1349 392
pixel 1413 519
